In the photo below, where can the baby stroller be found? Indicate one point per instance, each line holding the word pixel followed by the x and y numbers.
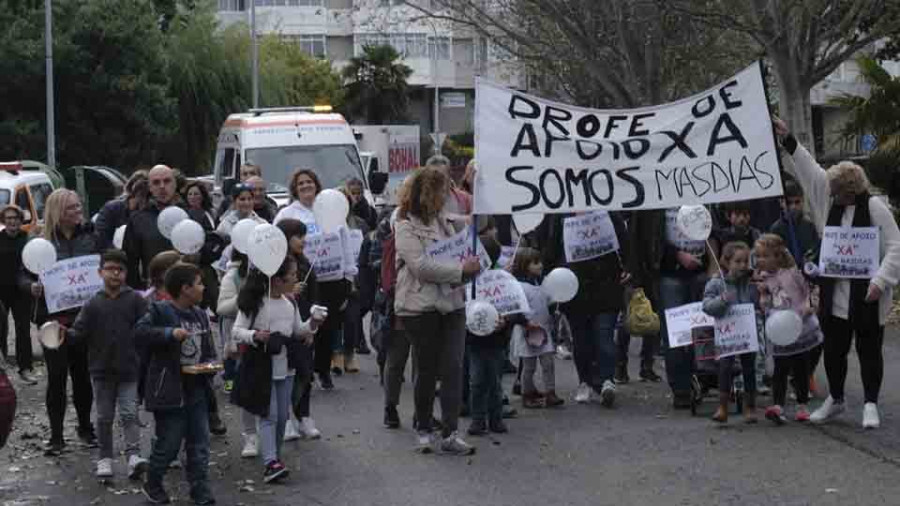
pixel 705 376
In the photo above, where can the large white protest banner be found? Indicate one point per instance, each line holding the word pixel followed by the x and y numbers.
pixel 326 254
pixel 458 248
pixel 589 236
pixel 850 252
pixel 736 331
pixel 682 320
pixel 502 290
pixel 71 282
pixel 535 155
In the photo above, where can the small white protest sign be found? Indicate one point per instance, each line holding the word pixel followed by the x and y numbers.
pixel 356 239
pixel 71 282
pixel 681 320
pixel 506 256
pixel 850 252
pixel 589 236
pixel 736 331
pixel 502 290
pixel 326 253
pixel 458 248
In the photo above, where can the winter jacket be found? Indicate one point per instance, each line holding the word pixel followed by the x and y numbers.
pixel 142 242
pixel 11 268
pixel 107 326
pixel 804 232
pixel 423 284
pixel 747 235
pixel 599 290
pixel 744 292
pixel 112 215
pixel 164 385
pixel 230 219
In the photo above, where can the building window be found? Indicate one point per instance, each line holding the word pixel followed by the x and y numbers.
pixel 313 45
pixel 408 45
pixel 232 5
pixel 289 3
pixel 439 48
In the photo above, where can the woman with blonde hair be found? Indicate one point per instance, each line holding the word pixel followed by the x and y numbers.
pixel 65 228
pixel 850 305
pixel 429 304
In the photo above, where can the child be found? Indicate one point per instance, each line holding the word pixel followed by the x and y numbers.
pixel 107 323
pixel 795 229
pixel 486 356
pixel 176 334
pixel 718 295
pixel 739 229
pixel 783 287
pixel 531 341
pixel 269 322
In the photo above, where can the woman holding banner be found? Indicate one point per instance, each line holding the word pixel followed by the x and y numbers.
pixel 852 303
pixel 72 237
pixel 429 303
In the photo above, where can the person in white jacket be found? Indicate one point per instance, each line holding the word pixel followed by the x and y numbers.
pixel 241 209
pixel 839 197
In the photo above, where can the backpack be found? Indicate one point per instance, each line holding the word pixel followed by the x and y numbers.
pixel 389 265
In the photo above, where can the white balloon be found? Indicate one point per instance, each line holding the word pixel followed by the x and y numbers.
pixel 784 327
pixel 38 255
pixel 188 237
pixel 481 318
pixel 267 248
pixel 119 237
pixel 168 219
pixel 240 234
pixel 331 208
pixel 527 222
pixel 561 285
pixel 695 222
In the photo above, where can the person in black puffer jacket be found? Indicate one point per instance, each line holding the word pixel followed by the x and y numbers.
pixel 14 290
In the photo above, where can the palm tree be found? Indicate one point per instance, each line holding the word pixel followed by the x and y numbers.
pixel 879 113
pixel 375 85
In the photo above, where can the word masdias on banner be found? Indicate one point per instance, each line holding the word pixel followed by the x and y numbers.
pixel 558 187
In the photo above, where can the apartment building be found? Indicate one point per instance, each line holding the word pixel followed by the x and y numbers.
pixel 441 55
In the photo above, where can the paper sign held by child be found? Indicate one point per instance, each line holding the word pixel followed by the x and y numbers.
pixel 681 320
pixel 736 331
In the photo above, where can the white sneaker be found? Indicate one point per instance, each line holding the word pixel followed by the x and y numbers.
pixel 251 446
pixel 563 353
pixel 137 466
pixel 829 409
pixel 608 394
pixel 104 468
pixel 871 420
pixel 583 394
pixel 291 433
pixel 455 445
pixel 307 428
pixel 424 442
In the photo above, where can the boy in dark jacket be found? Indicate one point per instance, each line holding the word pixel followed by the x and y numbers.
pixel 799 233
pixel 739 229
pixel 177 335
pixel 106 324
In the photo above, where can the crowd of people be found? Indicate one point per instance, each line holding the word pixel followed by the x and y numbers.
pixel 162 317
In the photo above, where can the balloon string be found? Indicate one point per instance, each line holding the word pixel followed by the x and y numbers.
pixel 311 266
pixel 715 260
pixel 34 313
pixel 512 259
pixel 268 320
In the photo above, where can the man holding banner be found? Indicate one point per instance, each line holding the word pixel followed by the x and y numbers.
pixel 859 266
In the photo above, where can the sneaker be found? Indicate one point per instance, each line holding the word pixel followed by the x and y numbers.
pixel 763 390
pixel 621 376
pixel 88 437
pixel 205 501
pixel 104 468
pixel 829 409
pixel 650 376
pixel 478 428
pixel 27 376
pixel 563 353
pixel 608 394
pixel 337 363
pixel 325 382
pixel 583 394
pixel 454 445
pixel 291 432
pixel 802 414
pixel 54 448
pixel 156 494
pixel 498 427
pixel 776 415
pixel 229 386
pixel 251 446
pixel 137 466
pixel 391 417
pixel 871 420
pixel 425 442
pixel 307 428
pixel 275 470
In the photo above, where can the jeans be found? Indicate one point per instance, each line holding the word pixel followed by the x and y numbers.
pixel 748 371
pixel 397 356
pixel 65 361
pixel 674 292
pixel 595 347
pixel 438 345
pixel 485 368
pixel 20 305
pixel 109 393
pixel 186 424
pixel 271 427
pixel 869 341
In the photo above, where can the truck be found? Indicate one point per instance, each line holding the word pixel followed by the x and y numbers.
pixel 396 147
pixel 283 139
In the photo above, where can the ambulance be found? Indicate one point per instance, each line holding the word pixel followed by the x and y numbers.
pixel 27 185
pixel 281 140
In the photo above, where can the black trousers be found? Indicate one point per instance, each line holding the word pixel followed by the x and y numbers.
pixel 61 364
pixel 839 334
pixel 20 305
pixel 797 366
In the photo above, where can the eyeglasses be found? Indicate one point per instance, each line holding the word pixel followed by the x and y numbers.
pixel 12 217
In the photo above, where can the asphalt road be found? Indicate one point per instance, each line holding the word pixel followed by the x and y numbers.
pixel 640 452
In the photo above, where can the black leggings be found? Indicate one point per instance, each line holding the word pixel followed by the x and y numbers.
pixel 869 340
pixel 797 366
pixel 61 363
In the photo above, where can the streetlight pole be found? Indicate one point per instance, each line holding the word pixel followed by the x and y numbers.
pixel 437 91
pixel 51 119
pixel 254 55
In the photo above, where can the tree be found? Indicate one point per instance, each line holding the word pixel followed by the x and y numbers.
pixel 375 86
pixel 804 40
pixel 877 114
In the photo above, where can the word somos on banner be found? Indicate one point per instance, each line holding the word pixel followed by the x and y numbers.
pixel 535 155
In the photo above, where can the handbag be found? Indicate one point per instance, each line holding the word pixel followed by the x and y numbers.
pixel 641 319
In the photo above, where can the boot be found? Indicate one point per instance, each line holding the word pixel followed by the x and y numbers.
pixel 750 408
pixel 551 400
pixel 721 415
pixel 621 376
pixel 337 363
pixel 533 400
pixel 350 363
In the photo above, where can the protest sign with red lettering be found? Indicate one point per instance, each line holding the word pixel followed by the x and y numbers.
pixel 326 253
pixel 850 252
pixel 589 236
pixel 502 290
pixel 681 320
pixel 736 331
pixel 71 282
pixel 458 248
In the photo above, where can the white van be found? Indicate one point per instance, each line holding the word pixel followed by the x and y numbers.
pixel 283 139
